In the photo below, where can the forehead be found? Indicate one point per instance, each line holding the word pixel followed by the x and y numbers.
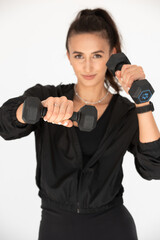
pixel 88 42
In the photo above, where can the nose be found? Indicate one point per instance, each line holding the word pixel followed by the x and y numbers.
pixel 88 66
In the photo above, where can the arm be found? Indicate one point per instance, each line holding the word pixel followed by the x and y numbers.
pixel 11 124
pixel 148 130
pixel 19 114
pixel 145 144
pixel 146 154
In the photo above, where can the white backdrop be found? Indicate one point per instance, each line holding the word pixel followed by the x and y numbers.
pixel 32 50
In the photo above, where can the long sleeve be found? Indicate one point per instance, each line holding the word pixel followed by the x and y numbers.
pixel 10 127
pixel 147 157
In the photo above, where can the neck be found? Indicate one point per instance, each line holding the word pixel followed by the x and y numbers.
pixel 91 94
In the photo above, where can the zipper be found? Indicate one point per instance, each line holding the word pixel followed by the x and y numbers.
pixel 78 204
pixel 78 210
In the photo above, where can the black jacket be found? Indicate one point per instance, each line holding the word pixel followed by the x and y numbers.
pixel 62 181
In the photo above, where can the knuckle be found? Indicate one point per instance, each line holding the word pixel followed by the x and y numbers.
pixel 50 99
pixel 125 67
pixel 132 77
pixel 70 101
pixel 63 98
pixel 55 99
pixel 141 69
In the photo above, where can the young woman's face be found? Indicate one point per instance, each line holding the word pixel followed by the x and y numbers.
pixel 88 55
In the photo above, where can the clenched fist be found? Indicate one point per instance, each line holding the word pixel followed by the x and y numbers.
pixel 129 74
pixel 59 110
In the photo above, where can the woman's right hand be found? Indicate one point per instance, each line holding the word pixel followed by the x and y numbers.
pixel 59 110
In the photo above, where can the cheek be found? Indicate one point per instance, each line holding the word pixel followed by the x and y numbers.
pixel 77 67
pixel 102 67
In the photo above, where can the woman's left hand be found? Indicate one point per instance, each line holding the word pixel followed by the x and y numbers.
pixel 129 74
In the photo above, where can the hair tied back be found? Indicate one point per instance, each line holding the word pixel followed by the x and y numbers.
pixel 87 12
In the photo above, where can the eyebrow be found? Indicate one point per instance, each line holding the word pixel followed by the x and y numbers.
pixel 99 51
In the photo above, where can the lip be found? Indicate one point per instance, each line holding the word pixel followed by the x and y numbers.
pixel 88 77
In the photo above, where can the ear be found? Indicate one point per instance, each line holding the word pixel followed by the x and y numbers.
pixel 114 51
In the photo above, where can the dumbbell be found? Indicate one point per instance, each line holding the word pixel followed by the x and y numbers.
pixel 33 110
pixel 141 90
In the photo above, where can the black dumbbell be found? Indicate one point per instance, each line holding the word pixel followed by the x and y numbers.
pixel 141 90
pixel 33 110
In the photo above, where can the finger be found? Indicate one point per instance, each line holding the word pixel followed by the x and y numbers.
pixel 60 110
pixel 118 74
pixel 65 111
pixel 129 75
pixel 124 68
pixel 67 123
pixel 68 115
pixel 49 113
pixel 135 74
pixel 125 88
pixel 69 110
pixel 55 113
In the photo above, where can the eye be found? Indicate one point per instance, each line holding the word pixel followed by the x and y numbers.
pixel 98 56
pixel 80 56
pixel 77 56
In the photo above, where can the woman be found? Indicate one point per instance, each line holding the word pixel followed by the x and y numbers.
pixel 79 174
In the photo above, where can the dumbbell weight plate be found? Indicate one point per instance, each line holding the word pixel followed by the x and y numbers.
pixel 86 118
pixel 32 110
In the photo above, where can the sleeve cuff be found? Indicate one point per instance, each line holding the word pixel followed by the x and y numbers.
pixel 150 147
pixel 13 115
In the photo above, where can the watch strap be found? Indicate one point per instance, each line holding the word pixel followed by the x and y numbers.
pixel 145 108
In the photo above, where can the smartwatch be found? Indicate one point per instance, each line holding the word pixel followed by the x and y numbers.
pixel 145 108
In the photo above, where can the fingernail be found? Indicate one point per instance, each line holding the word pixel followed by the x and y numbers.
pixel 60 123
pixel 65 124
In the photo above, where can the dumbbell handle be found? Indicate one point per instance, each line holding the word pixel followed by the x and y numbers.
pixel 75 115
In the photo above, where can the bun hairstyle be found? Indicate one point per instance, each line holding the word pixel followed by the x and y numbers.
pixel 99 21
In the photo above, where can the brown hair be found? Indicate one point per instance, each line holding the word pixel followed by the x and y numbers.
pixel 98 21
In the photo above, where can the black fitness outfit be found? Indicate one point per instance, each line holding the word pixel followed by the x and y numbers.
pixel 79 174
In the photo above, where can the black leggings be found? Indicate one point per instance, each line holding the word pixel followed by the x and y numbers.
pixel 113 224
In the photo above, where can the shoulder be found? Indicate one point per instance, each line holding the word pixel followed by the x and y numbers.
pixel 124 107
pixel 127 109
pixel 125 101
pixel 44 91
